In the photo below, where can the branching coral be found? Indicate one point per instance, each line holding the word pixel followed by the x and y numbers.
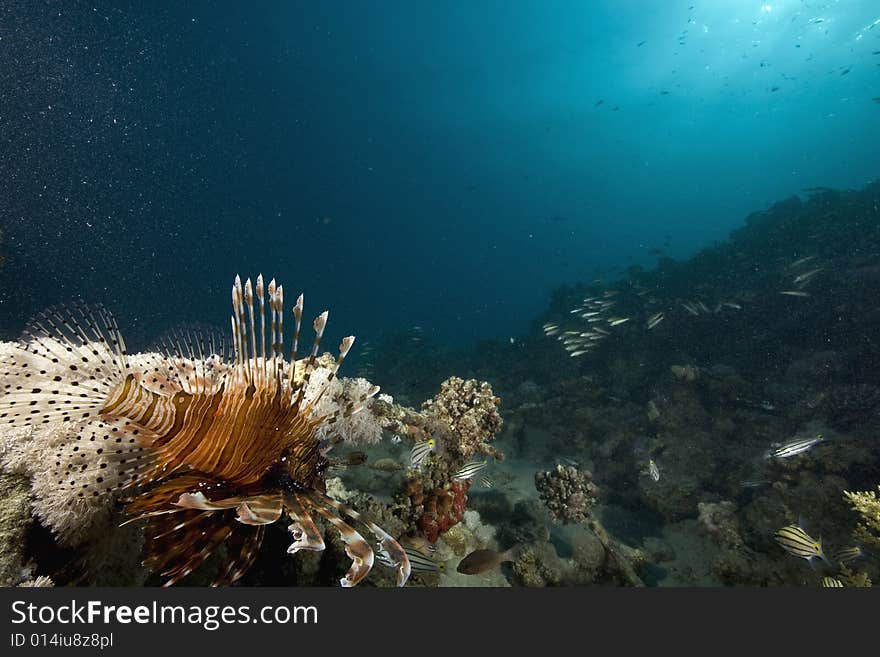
pixel 867 505
pixel 468 410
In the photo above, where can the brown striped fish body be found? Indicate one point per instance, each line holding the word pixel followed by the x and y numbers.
pixel 212 440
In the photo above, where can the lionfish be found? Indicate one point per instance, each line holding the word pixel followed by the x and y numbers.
pixel 213 445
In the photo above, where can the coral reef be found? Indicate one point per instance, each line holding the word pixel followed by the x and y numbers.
pixel 439 509
pixel 469 411
pixel 14 522
pixel 719 521
pixel 568 493
pixel 867 505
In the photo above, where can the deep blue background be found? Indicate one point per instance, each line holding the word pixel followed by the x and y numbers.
pixel 442 164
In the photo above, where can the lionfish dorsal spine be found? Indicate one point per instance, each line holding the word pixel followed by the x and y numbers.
pixel 260 291
pixel 319 325
pixel 273 330
pixel 344 348
pixel 297 317
pixel 252 335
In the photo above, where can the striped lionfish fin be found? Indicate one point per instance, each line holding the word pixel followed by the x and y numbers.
pixel 102 457
pixel 242 548
pixel 258 342
pixel 389 548
pixel 181 538
pixel 70 359
pixel 178 544
pixel 305 533
pixel 357 549
pixel 195 358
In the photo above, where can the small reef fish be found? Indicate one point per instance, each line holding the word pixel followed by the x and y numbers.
pixel 654 320
pixel 617 321
pixel 794 293
pixel 469 469
pixel 799 543
pixel 486 482
pixel 479 561
pixel 831 583
pixel 794 447
pixel 754 483
pixel 420 452
pixel 567 461
pixel 417 561
pixel 653 470
pixel 846 555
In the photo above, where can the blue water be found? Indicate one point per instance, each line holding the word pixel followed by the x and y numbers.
pixel 439 164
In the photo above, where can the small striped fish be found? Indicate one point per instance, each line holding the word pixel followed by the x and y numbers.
pixel 485 482
pixel 849 554
pixel 794 447
pixel 799 543
pixel 420 452
pixel 831 583
pixel 417 560
pixel 469 469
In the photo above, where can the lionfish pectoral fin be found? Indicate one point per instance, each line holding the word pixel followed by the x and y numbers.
pixel 69 361
pixel 259 510
pixel 356 547
pixel 198 502
pixel 305 533
pixel 242 548
pixel 179 544
pixel 388 546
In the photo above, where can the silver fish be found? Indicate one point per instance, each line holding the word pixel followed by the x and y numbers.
pixel 803 278
pixel 802 261
pixel 654 320
pixel 653 470
pixel 794 447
